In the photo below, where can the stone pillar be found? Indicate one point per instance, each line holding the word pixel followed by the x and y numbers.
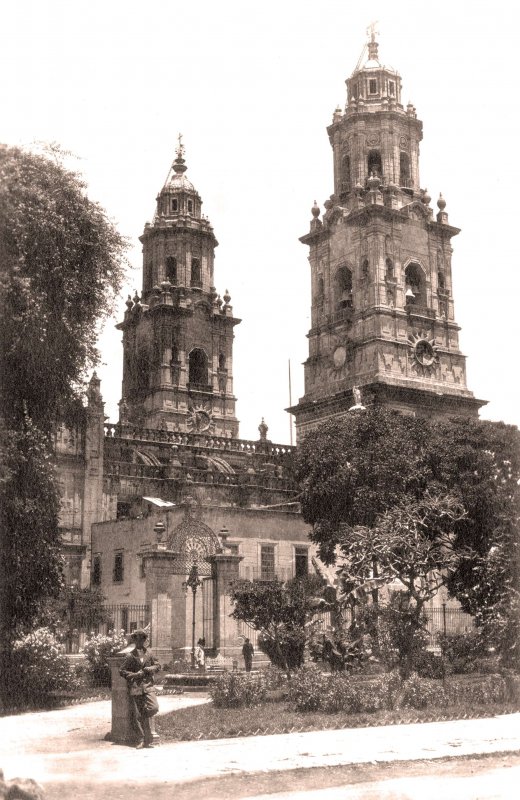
pixel 161 592
pixel 225 571
pixel 121 731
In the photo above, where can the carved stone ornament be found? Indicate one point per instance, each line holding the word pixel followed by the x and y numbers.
pixel 373 140
pixel 200 419
pixel 423 352
pixel 195 542
pixel 404 141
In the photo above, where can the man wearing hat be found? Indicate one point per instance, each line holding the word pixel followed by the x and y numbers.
pixel 138 669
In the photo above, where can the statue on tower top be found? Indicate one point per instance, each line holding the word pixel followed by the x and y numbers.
pixel 180 147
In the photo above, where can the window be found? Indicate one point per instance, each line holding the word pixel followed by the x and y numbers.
pixel 267 562
pixel 345 175
pixel 195 272
pixel 372 86
pixel 142 568
pixel 175 204
pixel 374 163
pixel 119 567
pixel 198 367
pixel 171 269
pixel 414 285
pixel 344 287
pixel 301 562
pixel 404 170
pixel 222 361
pixel 441 280
pixel 321 288
pixel 389 269
pixel 391 88
pixel 96 570
pixel 190 206
pixel 364 268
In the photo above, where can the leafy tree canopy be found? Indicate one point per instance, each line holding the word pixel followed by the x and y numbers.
pixel 351 471
pixel 30 560
pixel 62 262
pixel 279 612
pixel 369 472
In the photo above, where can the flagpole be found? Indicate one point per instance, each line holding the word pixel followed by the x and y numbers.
pixel 290 404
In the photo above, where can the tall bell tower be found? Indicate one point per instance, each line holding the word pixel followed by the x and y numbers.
pixel 382 302
pixel 178 336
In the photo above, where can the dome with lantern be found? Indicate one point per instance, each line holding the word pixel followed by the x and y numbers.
pixel 178 197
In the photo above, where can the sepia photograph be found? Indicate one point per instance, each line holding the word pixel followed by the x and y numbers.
pixel 259 409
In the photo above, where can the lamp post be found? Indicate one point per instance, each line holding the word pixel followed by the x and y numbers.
pixel 192 582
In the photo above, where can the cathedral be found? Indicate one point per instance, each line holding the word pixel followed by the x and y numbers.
pixel 171 490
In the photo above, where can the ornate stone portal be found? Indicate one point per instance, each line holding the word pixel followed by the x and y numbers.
pixel 173 608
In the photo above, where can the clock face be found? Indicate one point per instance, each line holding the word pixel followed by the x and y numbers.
pixel 202 421
pixel 424 353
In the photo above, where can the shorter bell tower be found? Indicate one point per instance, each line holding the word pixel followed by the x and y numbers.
pixel 178 335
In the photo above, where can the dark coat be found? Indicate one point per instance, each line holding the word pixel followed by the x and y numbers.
pixel 139 674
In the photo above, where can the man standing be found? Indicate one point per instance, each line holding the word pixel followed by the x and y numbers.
pixel 138 669
pixel 248 653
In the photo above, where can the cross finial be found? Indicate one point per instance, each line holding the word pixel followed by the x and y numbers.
pixel 180 147
pixel 371 31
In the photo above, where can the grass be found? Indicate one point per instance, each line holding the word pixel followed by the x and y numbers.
pixel 275 716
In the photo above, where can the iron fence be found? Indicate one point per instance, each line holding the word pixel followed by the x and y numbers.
pixel 439 620
pixel 117 617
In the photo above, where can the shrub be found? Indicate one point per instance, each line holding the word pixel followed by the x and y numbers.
pixel 481 691
pixel 275 678
pixel 420 692
pixel 429 665
pixel 285 652
pixel 313 690
pixel 97 650
pixel 39 667
pixel 462 650
pixel 236 689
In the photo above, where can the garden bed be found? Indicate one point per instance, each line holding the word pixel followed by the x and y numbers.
pixel 464 697
pixel 207 722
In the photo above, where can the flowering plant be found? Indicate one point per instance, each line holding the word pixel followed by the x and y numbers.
pixel 39 667
pixel 97 650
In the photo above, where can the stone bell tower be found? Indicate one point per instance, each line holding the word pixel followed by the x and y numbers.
pixel 178 336
pixel 382 303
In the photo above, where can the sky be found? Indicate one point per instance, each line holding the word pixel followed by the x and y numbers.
pixel 252 87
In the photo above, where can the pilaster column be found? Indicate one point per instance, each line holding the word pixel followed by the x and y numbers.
pixel 225 571
pixel 164 597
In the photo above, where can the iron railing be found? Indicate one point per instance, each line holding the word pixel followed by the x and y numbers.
pixel 117 617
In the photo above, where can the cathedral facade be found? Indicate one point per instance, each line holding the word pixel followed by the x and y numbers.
pixel 171 488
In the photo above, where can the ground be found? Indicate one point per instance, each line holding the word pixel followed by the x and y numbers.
pixel 472 778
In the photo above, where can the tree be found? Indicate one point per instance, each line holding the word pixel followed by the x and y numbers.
pixel 61 264
pixel 481 461
pixel 411 545
pixel 30 560
pixel 279 612
pixel 353 470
